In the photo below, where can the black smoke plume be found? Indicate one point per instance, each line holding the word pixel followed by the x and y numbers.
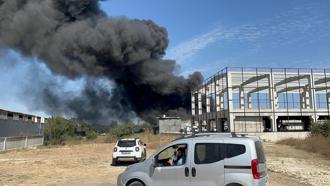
pixel 75 39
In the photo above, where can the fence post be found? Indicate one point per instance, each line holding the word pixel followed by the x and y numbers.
pixel 4 144
pixel 43 139
pixel 26 142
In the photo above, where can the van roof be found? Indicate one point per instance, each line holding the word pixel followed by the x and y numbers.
pixel 219 136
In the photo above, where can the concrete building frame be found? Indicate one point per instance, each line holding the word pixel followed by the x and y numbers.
pixel 251 99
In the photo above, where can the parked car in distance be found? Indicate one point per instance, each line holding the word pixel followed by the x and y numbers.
pixel 220 159
pixel 129 149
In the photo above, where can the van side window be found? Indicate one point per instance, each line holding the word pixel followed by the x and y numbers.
pixel 235 150
pixel 206 153
pixel 175 155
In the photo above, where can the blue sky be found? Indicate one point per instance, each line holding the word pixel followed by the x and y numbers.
pixel 207 36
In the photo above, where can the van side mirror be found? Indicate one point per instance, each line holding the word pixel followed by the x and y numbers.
pixel 152 167
pixel 154 162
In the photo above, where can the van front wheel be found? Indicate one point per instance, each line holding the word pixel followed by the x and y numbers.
pixel 234 184
pixel 136 183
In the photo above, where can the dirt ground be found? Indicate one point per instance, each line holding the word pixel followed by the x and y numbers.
pixel 89 164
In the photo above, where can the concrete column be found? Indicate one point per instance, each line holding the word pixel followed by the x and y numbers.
pixel 193 104
pixel 311 91
pixel 230 102
pixel 249 96
pixel 208 125
pixel 208 96
pixel 303 99
pixel 315 118
pixel 328 100
pixel 307 98
pixel 200 123
pixel 276 106
pixel 222 101
pixel 232 123
pixel 241 98
pixel 274 125
pixel 230 93
pixel 200 109
pixel 273 93
pixel 217 94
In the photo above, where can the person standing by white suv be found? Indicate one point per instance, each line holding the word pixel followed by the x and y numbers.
pixel 129 149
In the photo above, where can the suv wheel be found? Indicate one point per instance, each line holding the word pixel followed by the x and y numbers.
pixel 136 183
pixel 145 155
pixel 114 162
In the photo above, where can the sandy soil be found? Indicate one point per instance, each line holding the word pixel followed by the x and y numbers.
pixel 307 168
pixel 89 164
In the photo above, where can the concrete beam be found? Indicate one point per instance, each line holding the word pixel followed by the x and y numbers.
pixel 322 80
pixel 258 89
pixel 251 80
pixel 291 79
pixel 288 89
pixel 322 88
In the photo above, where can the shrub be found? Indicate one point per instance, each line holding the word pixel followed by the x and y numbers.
pixel 91 134
pixel 321 128
pixel 57 129
pixel 123 130
pixel 120 131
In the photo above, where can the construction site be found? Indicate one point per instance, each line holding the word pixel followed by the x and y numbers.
pixel 245 99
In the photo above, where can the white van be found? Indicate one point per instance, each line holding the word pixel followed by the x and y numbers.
pixel 206 159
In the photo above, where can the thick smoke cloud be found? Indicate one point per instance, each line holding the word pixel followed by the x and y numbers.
pixel 75 39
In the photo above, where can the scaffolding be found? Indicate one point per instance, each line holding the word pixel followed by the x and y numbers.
pixel 249 99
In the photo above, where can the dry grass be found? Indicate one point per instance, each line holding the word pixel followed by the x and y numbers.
pixel 315 143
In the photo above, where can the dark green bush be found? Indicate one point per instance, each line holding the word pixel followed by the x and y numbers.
pixel 120 131
pixel 321 128
pixel 91 134
pixel 58 130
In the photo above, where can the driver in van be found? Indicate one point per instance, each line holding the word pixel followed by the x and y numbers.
pixel 180 158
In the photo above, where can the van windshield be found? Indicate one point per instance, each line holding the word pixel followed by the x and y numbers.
pixel 126 143
pixel 260 152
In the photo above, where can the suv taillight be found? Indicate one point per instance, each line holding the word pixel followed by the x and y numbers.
pixel 115 149
pixel 137 149
pixel 254 166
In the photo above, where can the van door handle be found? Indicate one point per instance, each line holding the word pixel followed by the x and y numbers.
pixel 186 171
pixel 193 172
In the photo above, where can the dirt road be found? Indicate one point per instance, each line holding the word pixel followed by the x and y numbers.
pixel 89 164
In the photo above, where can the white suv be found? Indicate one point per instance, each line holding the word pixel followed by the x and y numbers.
pixel 129 149
pixel 205 159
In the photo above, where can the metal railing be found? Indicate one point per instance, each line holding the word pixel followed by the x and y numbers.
pixel 20 142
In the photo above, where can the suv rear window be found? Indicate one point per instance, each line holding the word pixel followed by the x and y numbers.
pixel 260 152
pixel 126 143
